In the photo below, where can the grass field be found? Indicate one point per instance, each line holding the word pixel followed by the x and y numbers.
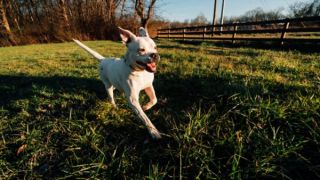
pixel 227 113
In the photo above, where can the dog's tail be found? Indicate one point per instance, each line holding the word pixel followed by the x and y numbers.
pixel 92 52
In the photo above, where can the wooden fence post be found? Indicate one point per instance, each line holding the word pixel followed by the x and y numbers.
pixel 213 28
pixel 235 27
pixel 204 33
pixel 184 34
pixel 283 34
pixel 169 33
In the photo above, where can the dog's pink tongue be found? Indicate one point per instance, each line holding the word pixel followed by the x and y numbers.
pixel 152 66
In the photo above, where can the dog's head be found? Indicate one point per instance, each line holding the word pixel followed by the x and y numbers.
pixel 142 52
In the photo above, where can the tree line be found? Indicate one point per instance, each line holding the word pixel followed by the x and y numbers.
pixel 40 21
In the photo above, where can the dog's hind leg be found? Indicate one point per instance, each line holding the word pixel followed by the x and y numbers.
pixel 152 96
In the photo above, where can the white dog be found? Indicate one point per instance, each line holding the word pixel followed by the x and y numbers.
pixel 132 73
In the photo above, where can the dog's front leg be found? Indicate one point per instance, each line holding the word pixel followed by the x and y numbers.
pixel 110 95
pixel 135 106
pixel 152 96
pixel 109 89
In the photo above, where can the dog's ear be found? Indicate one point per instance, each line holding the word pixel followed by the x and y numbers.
pixel 143 32
pixel 126 35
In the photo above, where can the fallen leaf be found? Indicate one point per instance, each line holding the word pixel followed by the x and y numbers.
pixel 21 149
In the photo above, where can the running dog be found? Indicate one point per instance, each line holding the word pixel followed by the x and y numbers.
pixel 132 73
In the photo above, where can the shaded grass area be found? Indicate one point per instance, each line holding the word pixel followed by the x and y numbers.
pixel 227 113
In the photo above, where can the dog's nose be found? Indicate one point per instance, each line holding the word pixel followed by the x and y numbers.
pixel 154 57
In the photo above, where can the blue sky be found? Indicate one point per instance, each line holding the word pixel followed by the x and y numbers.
pixel 180 10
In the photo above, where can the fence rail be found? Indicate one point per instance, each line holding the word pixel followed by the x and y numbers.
pixel 265 30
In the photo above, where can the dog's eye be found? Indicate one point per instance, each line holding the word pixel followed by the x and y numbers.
pixel 141 50
pixel 155 47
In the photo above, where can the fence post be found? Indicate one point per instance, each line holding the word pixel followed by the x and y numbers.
pixel 169 33
pixel 235 27
pixel 213 28
pixel 184 34
pixel 158 36
pixel 283 34
pixel 204 33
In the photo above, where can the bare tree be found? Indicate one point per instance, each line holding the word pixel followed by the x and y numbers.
pixel 3 18
pixel 122 9
pixel 111 10
pixel 58 20
pixel 199 20
pixel 4 24
pixel 303 9
pixel 13 15
pixel 144 11
pixel 34 10
pixel 64 16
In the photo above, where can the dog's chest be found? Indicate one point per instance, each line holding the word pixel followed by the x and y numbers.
pixel 141 79
pixel 121 76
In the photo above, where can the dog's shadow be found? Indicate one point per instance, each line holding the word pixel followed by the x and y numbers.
pixel 175 94
pixel 15 87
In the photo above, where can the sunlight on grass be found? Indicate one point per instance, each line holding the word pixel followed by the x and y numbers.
pixel 226 113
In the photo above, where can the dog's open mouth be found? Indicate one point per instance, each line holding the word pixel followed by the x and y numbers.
pixel 150 67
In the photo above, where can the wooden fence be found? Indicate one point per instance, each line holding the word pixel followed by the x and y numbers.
pixel 299 29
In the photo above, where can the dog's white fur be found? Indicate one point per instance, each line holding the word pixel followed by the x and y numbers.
pixel 131 74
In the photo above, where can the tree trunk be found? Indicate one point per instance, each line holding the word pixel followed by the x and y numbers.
pixel 3 18
pixel 29 8
pixel 4 24
pixel 122 9
pixel 14 16
pixel 144 22
pixel 64 15
pixel 18 12
pixel 111 8
pixel 35 11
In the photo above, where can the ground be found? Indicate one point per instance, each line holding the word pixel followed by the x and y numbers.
pixel 226 112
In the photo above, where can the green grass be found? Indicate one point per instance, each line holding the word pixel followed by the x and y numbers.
pixel 228 113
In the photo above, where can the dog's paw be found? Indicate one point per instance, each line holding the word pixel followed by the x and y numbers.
pixel 115 106
pixel 155 134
